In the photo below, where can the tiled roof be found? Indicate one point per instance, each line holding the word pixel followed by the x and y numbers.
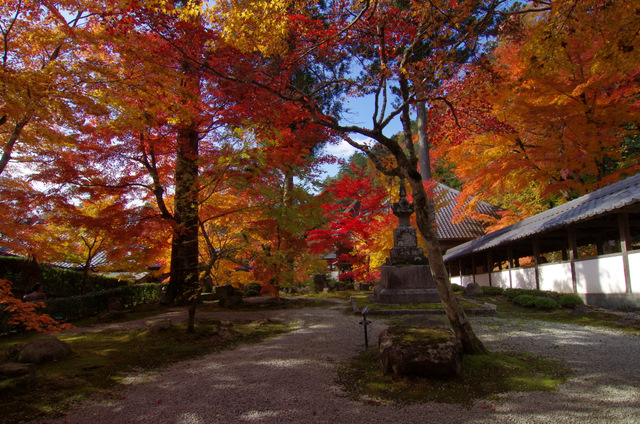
pixel 445 202
pixel 99 259
pixel 602 201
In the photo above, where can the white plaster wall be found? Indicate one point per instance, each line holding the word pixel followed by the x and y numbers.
pixel 466 279
pixel 601 275
pixel 482 279
pixel 556 277
pixel 596 275
pixel 523 278
pixel 634 271
pixel 456 280
pixel 500 279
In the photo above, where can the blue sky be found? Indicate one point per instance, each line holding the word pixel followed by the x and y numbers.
pixel 361 110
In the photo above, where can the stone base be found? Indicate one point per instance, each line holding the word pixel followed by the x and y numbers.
pixel 383 295
pixel 406 277
pixel 406 284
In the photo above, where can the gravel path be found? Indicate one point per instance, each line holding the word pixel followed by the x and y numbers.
pixel 291 379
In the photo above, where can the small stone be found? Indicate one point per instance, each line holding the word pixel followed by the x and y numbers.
pixel 473 290
pixel 13 351
pixel 158 325
pixel 580 310
pixel 115 304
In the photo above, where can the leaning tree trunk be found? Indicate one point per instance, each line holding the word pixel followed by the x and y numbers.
pixel 455 312
pixel 184 244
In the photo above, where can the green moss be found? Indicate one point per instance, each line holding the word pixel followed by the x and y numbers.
pixel 419 335
pixel 362 301
pixel 483 377
pixel 100 360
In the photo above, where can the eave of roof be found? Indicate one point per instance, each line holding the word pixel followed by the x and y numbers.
pixel 615 196
pixel 445 201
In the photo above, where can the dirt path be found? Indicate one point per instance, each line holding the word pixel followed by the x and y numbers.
pixel 291 379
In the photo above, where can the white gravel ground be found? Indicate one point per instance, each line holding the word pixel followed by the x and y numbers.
pixel 291 379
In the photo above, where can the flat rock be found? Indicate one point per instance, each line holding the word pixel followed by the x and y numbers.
pixel 435 354
pixel 16 376
pixel 16 369
pixel 629 319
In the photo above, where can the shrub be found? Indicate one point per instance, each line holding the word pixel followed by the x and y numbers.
pixel 545 303
pixel 57 282
pixel 256 287
pixel 457 287
pixel 570 300
pixel 251 293
pixel 70 308
pixel 525 300
pixel 513 293
pixel 492 290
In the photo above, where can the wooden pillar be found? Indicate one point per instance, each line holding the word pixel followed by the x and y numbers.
pixel 573 255
pixel 473 268
pixel 536 261
pixel 489 266
pixel 625 244
pixel 510 262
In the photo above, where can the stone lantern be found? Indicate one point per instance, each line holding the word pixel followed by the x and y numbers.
pixel 406 276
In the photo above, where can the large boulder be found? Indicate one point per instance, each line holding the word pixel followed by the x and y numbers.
pixel 426 352
pixel 473 290
pixel 41 350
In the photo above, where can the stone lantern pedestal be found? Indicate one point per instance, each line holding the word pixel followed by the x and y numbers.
pixel 406 277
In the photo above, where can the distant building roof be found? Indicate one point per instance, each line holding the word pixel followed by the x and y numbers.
pixel 99 259
pixel 445 210
pixel 605 200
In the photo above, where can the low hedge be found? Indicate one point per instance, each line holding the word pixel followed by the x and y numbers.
pixel 540 302
pixel 56 282
pixel 75 307
pixel 570 300
pixel 513 293
pixel 525 300
pixel 492 291
pixel 545 303
pixel 252 289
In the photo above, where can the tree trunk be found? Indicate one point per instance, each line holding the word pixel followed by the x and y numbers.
pixel 455 312
pixel 184 244
pixel 191 323
pixel 423 141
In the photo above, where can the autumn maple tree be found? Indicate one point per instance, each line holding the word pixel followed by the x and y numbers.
pixel 25 314
pixel 357 213
pixel 551 113
pixel 396 53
